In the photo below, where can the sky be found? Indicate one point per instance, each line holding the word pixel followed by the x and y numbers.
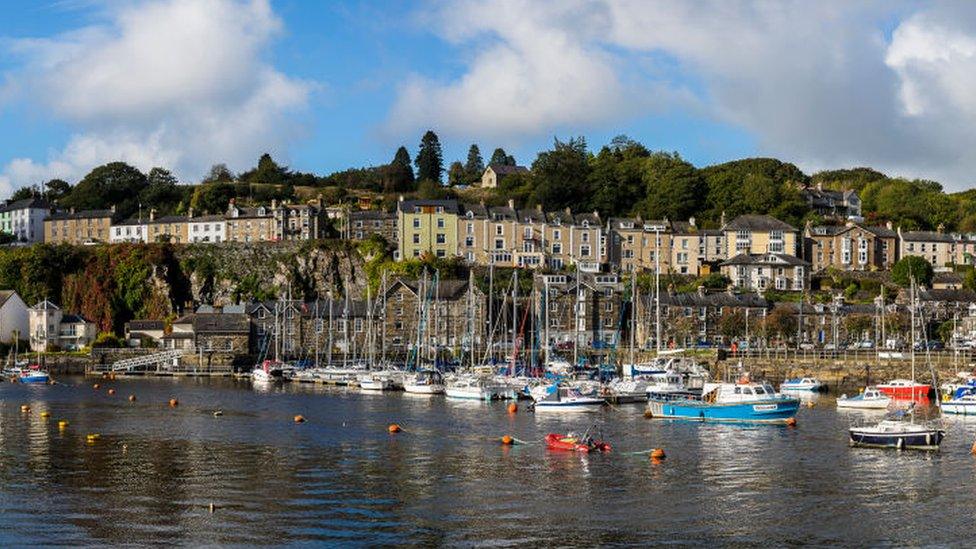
pixel 324 86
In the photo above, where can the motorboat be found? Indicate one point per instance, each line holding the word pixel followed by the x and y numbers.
pixel 477 388
pixel 575 443
pixel 424 382
pixel 802 384
pixel 906 389
pixel 962 402
pixel 557 398
pixel 729 402
pixel 897 433
pixel 870 399
pixel 623 391
pixel 558 365
pixel 33 374
pixel 268 371
pixel 375 382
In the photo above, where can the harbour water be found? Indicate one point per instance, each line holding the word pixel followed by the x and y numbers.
pixel 340 477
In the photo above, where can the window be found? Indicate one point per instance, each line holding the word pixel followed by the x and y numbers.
pixel 586 237
pixel 469 241
pixel 416 223
pixel 557 234
pixel 441 238
pixel 584 250
pixel 416 239
pixel 499 243
pixel 499 229
pixel 440 223
pixel 470 228
pixel 527 233
pixel 557 248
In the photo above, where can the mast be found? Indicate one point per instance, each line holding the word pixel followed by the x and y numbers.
pixel 345 325
pixel 471 317
pixel 657 289
pixel 331 303
pixel 514 319
pixel 912 333
pixel 318 329
pixel 370 348
pixel 491 298
pixel 545 313
pixel 633 313
pixel 576 318
pixel 383 318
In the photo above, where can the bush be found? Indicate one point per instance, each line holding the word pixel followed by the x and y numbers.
pixel 108 340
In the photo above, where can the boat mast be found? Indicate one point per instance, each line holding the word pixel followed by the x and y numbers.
pixel 317 330
pixel 346 318
pixel 331 304
pixel 471 317
pixel 491 298
pixel 514 319
pixel 912 333
pixel 545 312
pixel 576 318
pixel 657 289
pixel 383 319
pixel 371 349
pixel 633 313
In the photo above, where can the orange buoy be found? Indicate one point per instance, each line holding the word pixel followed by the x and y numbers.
pixel 394 428
pixel 507 440
pixel 24 408
pixel 973 449
pixel 648 414
pixel 132 398
pixel 174 403
pixel 657 453
pixel 96 386
pixel 111 391
pixel 512 408
pixel 299 419
pixel 791 422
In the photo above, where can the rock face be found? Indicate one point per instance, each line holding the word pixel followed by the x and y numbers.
pixel 231 272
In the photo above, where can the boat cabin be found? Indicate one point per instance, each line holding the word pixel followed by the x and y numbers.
pixel 738 392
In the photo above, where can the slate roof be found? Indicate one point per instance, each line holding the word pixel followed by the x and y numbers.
pixel 217 323
pixel 26 203
pixel 927 236
pixel 407 206
pixel 754 222
pixel 504 169
pixel 766 259
pixel 83 214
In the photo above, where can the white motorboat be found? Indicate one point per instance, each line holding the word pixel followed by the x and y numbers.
pixel 475 388
pixel 555 398
pixel 870 399
pixel 620 391
pixel 802 384
pixel 375 382
pixel 424 382
pixel 267 371
pixel 559 365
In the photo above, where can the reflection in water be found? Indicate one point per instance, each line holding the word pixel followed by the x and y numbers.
pixel 341 477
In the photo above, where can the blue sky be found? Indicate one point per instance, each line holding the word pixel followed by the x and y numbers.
pixel 330 85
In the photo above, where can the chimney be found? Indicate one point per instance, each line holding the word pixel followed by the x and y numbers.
pixel 701 291
pixel 112 208
pixel 940 229
pixel 538 208
pixel 189 212
pixel 71 210
pixel 568 211
pixel 819 185
pixel 152 214
pixel 274 204
pixel 511 203
pixel 889 225
pixel 721 220
pixel 691 221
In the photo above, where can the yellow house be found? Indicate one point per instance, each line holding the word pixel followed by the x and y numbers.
pixel 759 234
pixel 427 226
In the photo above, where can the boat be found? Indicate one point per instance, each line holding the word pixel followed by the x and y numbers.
pixel 375 382
pixel 729 402
pixel 802 384
pixel 870 399
pixel 962 402
pixel 556 398
pixel 573 443
pixel 895 432
pixel 267 371
pixel 623 391
pixel 424 382
pixel 476 388
pixel 906 389
pixel 33 374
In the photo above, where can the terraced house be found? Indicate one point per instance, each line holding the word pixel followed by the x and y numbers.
pixel 81 227
pixel 759 234
pixel 635 244
pixel 850 247
pixel 427 226
pixel 582 311
pixel 24 219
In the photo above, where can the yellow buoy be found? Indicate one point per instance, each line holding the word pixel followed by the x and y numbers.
pixel 45 414
pixel 507 440
pixel 96 386
pixel 791 422
pixel 92 437
pixel 24 408
pixel 657 453
pixel 174 403
pixel 63 424
pixel 299 419
pixel 111 391
pixel 394 428
pixel 648 414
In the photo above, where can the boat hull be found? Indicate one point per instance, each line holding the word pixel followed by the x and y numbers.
pixel 964 408
pixel 860 404
pixel 913 392
pixel 583 405
pixel 376 385
pixel 572 444
pixel 34 378
pixel 926 439
pixel 757 411
pixel 423 389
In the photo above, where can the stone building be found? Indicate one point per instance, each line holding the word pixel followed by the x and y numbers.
pixel 850 247
pixel 451 309
pixel 79 227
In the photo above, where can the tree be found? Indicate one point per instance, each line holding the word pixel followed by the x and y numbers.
pixel 456 174
pixel 911 266
pixel 857 325
pixel 430 158
pixel 162 192
pixel 674 188
pixel 218 174
pixel 501 157
pixel 401 172
pixel 732 326
pixel 267 172
pixel 780 323
pixel 475 165
pixel 25 192
pixel 212 198
pixel 561 175
pixel 114 184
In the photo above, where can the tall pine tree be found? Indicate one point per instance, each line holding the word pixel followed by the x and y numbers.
pixel 475 166
pixel 430 158
pixel 402 178
pixel 502 158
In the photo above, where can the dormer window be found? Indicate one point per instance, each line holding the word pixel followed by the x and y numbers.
pixel 470 214
pixel 261 210
pixel 586 224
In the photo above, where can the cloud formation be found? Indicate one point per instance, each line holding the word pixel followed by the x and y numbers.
pixel 823 84
pixel 176 83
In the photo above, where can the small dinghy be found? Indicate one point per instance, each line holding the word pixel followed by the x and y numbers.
pixel 573 443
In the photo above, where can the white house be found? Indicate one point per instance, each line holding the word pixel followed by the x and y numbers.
pixel 14 321
pixel 131 230
pixel 770 271
pixel 24 219
pixel 207 228
pixel 50 328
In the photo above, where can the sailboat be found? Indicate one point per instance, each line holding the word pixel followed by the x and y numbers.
pixel 269 370
pixel 426 380
pixel 894 431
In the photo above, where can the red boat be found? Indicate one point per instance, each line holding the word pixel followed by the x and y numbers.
pixel 575 443
pixel 905 389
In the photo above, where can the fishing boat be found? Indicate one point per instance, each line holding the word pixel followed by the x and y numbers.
pixel 574 443
pixel 623 391
pixel 897 433
pixel 802 384
pixel 906 389
pixel 729 402
pixel 556 398
pixel 870 399
pixel 962 402
pixel 424 382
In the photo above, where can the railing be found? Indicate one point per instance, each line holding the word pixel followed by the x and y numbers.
pixel 962 357
pixel 131 364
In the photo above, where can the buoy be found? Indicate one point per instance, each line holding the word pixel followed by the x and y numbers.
pixel 62 424
pixel 45 414
pixel 218 413
pixel 648 414
pixel 24 408
pixel 394 428
pixel 973 449
pixel 174 403
pixel 791 422
pixel 657 453
pixel 111 391
pixel 96 386
pixel 212 507
pixel 299 419
pixel 91 438
pixel 132 398
pixel 512 408
pixel 507 440
pixel 811 404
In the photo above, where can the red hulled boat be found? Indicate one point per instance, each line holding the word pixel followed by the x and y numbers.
pixel 905 389
pixel 574 443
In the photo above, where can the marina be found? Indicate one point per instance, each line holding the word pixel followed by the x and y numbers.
pixel 185 474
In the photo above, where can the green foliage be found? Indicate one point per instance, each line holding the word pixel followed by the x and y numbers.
pixel 912 266
pixel 674 188
pixel 561 176
pixel 212 197
pixel 851 290
pixel 430 158
pixel 114 184
pixel 474 167
pixel 109 340
pixel 219 173
pixel 456 175
pixel 501 157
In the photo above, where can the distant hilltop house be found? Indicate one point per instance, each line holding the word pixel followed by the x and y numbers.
pixel 51 329
pixel 494 173
pixel 835 204
pixel 24 219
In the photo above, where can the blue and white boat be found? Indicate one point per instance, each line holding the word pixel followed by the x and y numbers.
pixel 896 433
pixel 963 402
pixel 34 376
pixel 729 402
pixel 557 398
pixel 870 399
pixel 811 384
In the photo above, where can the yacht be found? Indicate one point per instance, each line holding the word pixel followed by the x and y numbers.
pixel 476 388
pixel 556 398
pixel 425 382
pixel 870 399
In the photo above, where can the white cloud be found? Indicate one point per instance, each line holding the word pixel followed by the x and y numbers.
pixel 177 83
pixel 817 83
